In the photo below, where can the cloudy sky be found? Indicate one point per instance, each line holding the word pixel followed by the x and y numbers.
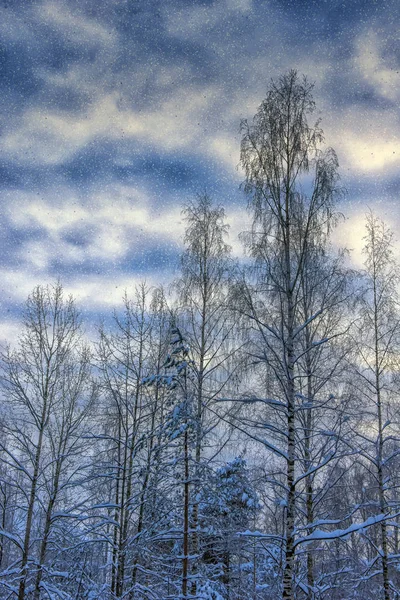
pixel 115 112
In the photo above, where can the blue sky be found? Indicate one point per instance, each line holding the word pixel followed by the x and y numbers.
pixel 115 112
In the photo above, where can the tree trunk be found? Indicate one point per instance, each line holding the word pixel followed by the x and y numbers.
pixel 46 532
pixel 288 592
pixel 3 523
pixel 185 559
pixel 309 479
pixel 116 515
pixel 382 499
pixel 31 505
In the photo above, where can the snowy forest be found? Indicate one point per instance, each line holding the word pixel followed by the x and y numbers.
pixel 233 437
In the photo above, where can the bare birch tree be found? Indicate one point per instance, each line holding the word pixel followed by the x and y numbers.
pixel 377 363
pixel 279 151
pixel 206 269
pixel 45 382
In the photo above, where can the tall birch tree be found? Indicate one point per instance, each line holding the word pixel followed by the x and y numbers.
pixel 377 363
pixel 281 156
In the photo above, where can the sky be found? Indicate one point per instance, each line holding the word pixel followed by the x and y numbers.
pixel 114 113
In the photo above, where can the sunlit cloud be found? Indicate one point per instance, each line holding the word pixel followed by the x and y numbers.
pixel 351 233
pixel 366 139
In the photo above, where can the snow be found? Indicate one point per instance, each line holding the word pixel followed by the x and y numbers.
pixel 318 534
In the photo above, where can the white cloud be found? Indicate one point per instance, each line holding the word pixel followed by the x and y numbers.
pixel 239 221
pixel 367 152
pixel 16 285
pixel 227 150
pixel 366 134
pixel 117 225
pixel 351 232
pixel 375 66
pixel 92 292
pixel 26 23
pixel 367 140
pixel 112 223
pixel 74 25
pixel 194 21
pixel 50 137
pixel 9 331
pixel 98 292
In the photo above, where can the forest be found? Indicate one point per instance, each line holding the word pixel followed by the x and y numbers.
pixel 233 437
